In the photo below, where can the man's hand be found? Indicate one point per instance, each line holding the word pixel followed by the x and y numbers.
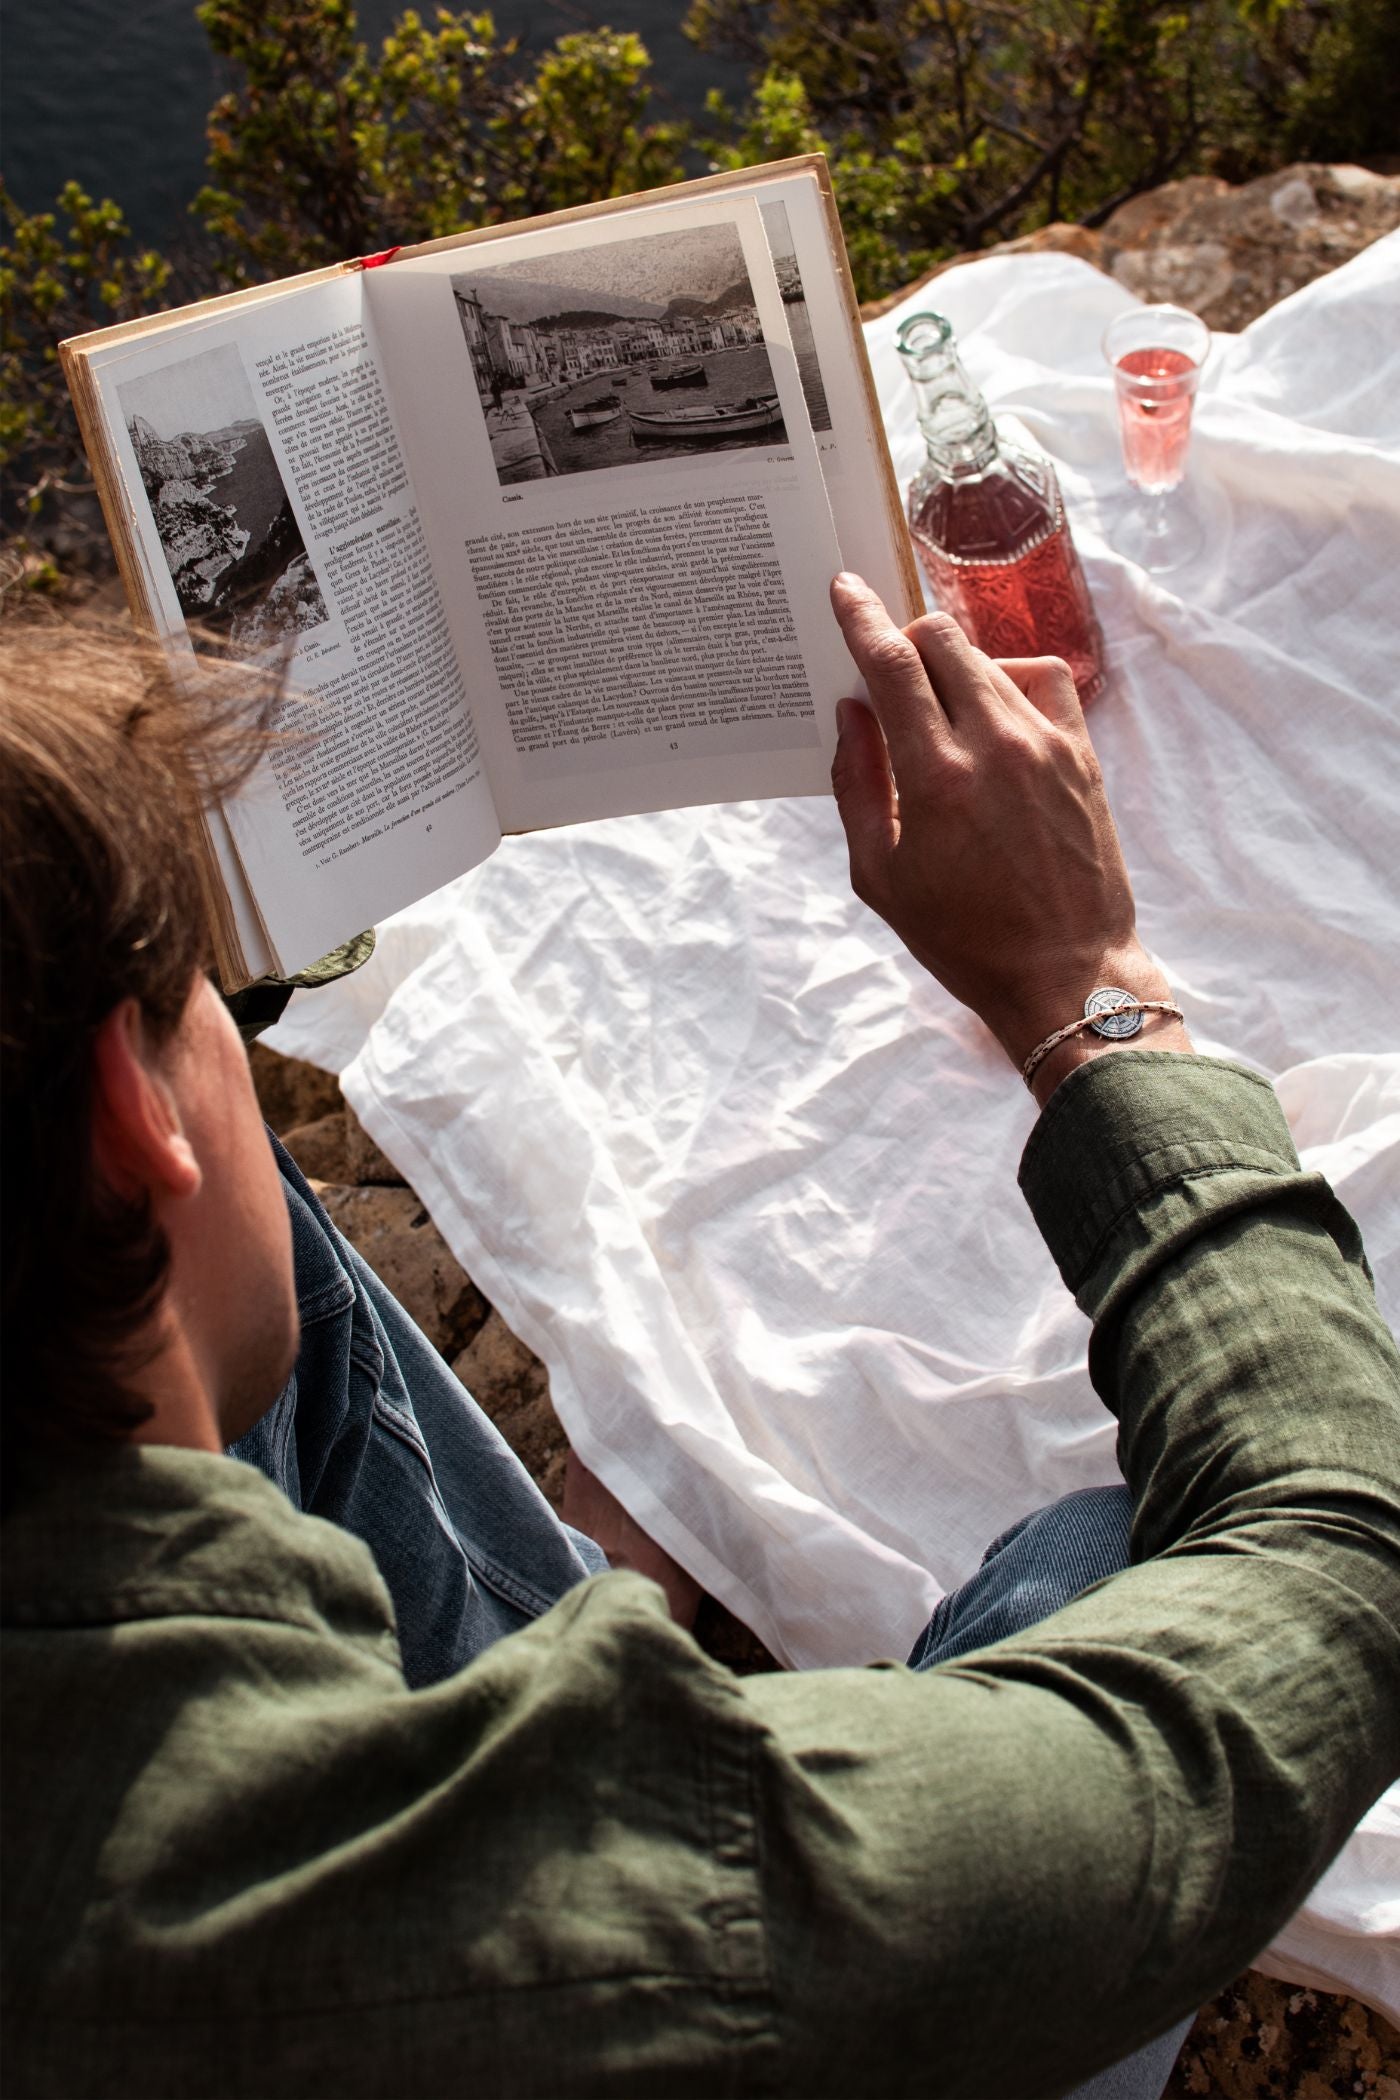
pixel 979 830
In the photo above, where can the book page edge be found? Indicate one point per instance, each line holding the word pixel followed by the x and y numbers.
pixel 899 530
pixel 229 955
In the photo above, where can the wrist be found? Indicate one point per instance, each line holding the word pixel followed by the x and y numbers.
pixel 1022 1028
pixel 1032 1011
pixel 1158 1032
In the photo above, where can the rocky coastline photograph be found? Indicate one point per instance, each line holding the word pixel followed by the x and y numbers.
pixel 617 355
pixel 232 544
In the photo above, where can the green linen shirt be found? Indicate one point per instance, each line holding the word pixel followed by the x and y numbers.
pixel 242 1859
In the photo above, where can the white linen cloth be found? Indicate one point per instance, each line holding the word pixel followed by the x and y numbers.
pixel 745 1178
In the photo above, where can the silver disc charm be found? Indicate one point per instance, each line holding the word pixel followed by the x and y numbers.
pixel 1101 1011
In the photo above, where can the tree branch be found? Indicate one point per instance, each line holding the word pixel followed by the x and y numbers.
pixel 981 222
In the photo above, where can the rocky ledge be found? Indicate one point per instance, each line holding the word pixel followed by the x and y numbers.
pixel 1227 251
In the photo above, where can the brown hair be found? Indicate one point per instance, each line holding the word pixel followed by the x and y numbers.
pixel 106 757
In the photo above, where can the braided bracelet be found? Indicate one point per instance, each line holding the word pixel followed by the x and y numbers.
pixel 1109 1011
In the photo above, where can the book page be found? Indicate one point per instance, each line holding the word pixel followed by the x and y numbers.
pixel 275 514
pixel 840 399
pixel 606 423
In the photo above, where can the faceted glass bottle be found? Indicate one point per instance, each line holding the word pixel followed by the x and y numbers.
pixel 989 521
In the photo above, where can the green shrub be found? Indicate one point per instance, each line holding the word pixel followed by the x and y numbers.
pixel 324 150
pixel 953 123
pixel 57 281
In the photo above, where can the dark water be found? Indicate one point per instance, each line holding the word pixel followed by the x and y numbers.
pixel 253 485
pixel 733 376
pixel 115 92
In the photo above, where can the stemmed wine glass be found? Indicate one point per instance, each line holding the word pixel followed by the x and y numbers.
pixel 1156 353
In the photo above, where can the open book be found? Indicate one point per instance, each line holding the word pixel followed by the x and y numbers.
pixel 542 518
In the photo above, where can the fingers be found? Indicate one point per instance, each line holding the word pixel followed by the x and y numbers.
pixel 932 690
pixel 1048 683
pixel 865 796
pixel 901 696
pixel 964 679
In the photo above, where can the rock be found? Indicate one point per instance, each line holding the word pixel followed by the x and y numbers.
pixel 293 605
pixel 365 1164
pixel 320 1148
pixel 1261 2038
pixel 512 1386
pixel 1295 202
pixel 291 1093
pixel 188 459
pixel 1059 238
pixel 394 1233
pixel 1198 275
pixel 1231 252
pixel 1227 251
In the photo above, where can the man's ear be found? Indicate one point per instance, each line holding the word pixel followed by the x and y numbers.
pixel 137 1142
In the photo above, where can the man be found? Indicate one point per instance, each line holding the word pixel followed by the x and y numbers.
pixel 243 1857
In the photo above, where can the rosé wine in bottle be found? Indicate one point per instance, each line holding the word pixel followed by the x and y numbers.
pixel 989 522
pixel 1156 417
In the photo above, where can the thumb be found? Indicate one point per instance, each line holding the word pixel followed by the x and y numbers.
pixel 865 795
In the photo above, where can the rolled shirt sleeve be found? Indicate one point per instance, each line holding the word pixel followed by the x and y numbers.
pixel 1017 1867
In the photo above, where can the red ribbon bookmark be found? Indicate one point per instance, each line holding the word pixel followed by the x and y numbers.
pixel 376 262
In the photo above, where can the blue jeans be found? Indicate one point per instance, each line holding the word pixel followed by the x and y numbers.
pixel 373 1432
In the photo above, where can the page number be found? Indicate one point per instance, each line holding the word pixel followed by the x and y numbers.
pixel 675 747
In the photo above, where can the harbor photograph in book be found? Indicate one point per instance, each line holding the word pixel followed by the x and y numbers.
pixel 617 354
pixel 226 525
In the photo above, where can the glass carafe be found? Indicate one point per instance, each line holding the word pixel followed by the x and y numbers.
pixel 989 521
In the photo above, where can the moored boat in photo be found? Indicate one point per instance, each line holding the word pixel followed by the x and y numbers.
pixel 682 375
pixel 745 418
pixel 605 409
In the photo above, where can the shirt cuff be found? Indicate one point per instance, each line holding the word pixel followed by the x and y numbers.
pixel 1136 1152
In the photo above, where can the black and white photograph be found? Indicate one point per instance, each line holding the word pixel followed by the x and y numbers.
pixel 783 250
pixel 232 543
pixel 612 356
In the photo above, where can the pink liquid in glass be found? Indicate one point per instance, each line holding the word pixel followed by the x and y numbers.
pixel 1036 604
pixel 1156 423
